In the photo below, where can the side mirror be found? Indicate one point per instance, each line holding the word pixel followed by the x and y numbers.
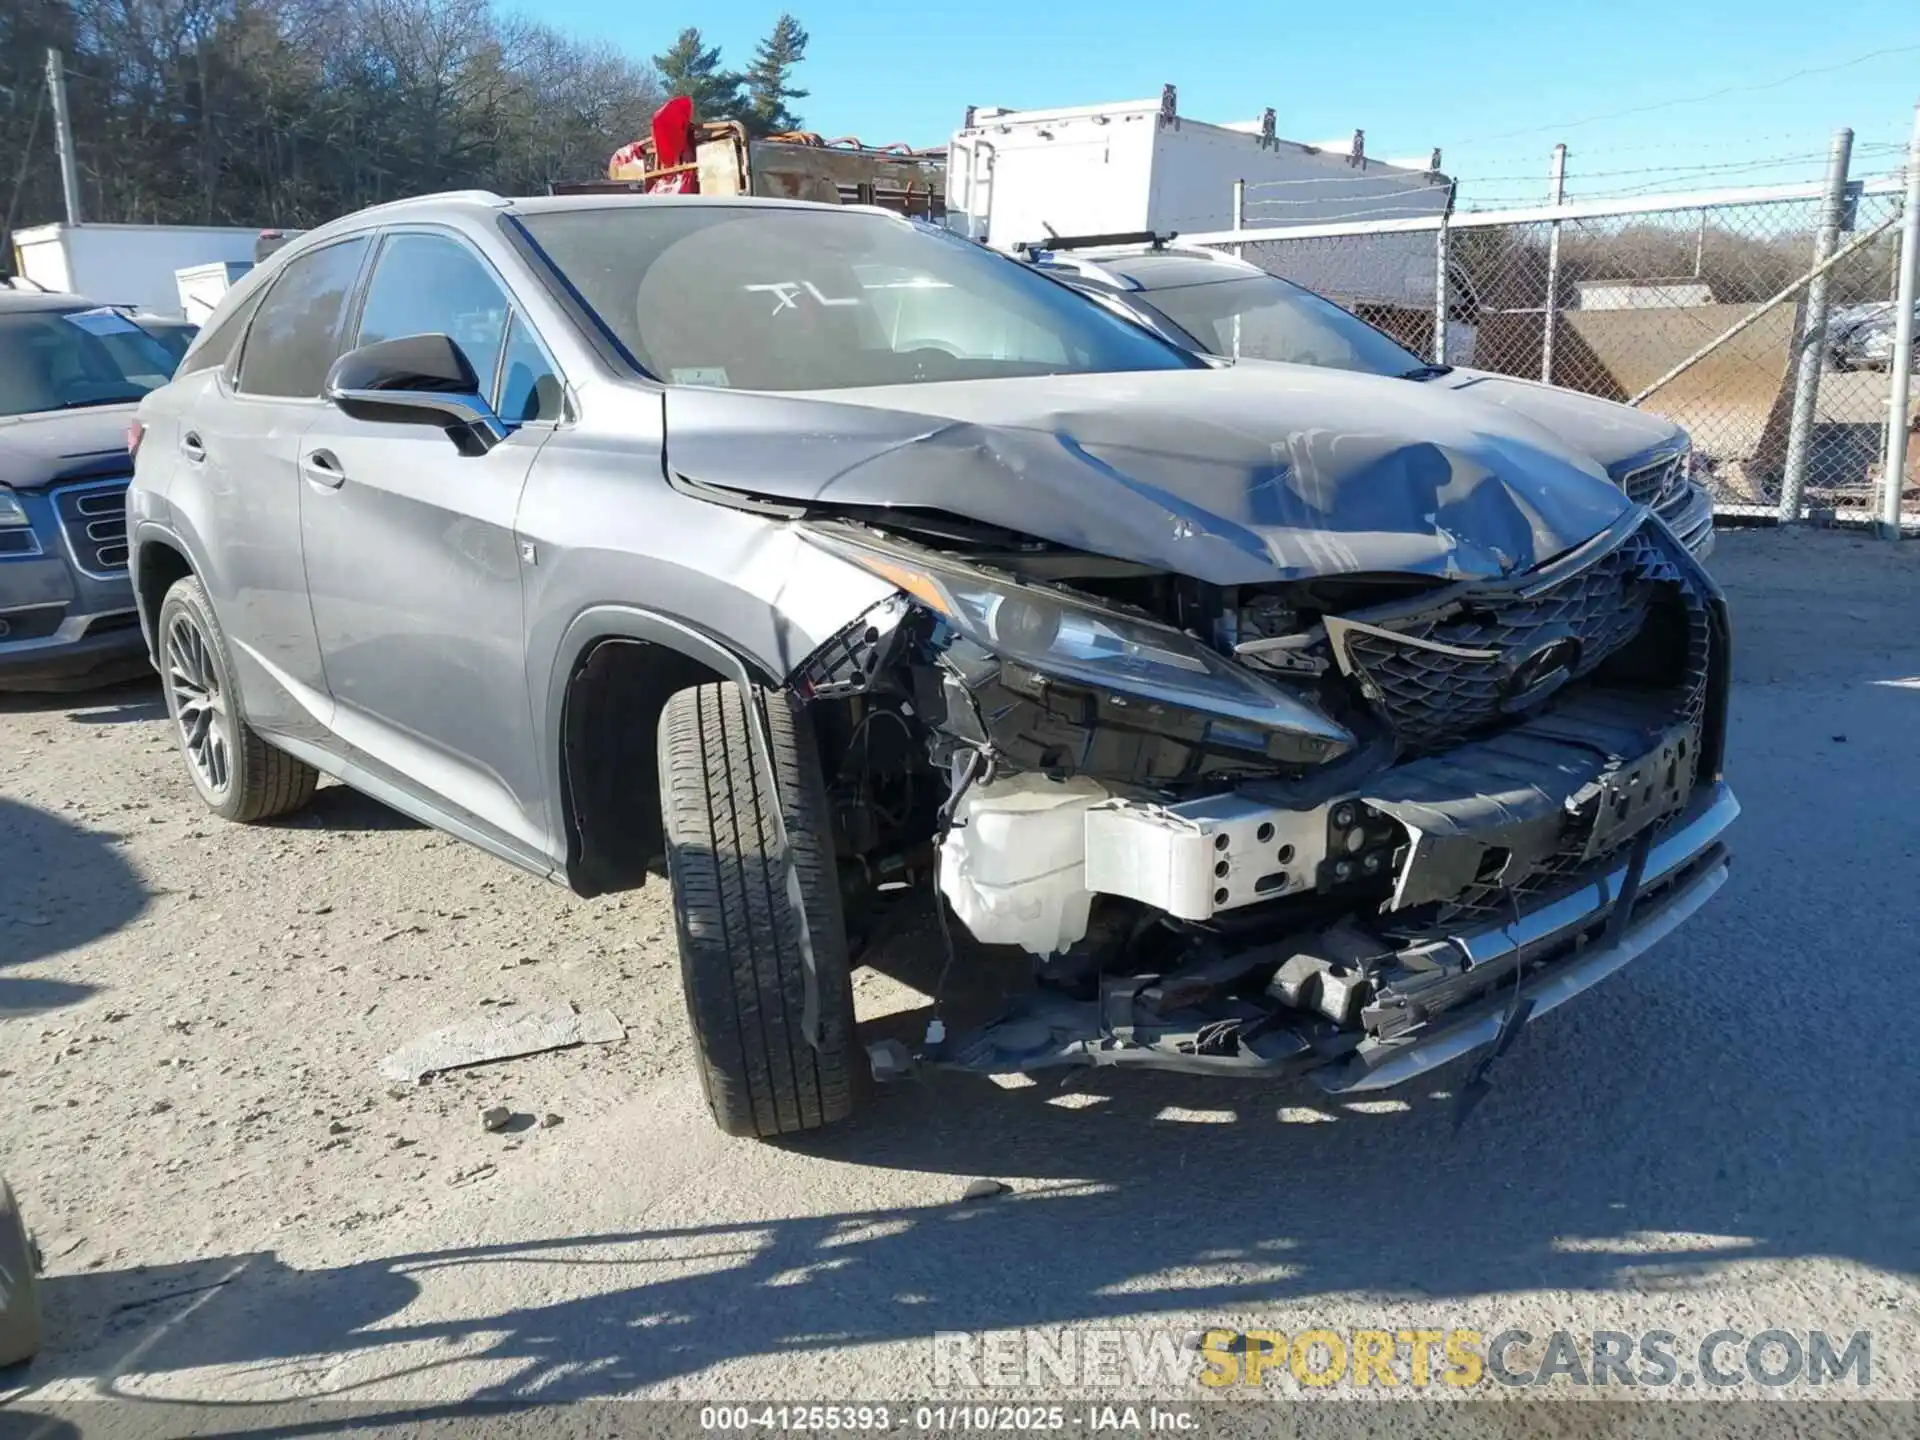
pixel 417 380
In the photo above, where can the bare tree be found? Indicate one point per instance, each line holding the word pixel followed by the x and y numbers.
pixel 289 112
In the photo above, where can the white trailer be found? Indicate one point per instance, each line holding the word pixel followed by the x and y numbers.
pixel 126 264
pixel 1016 176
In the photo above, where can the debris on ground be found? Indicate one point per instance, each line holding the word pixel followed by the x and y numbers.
pixel 501 1037
pixel 496 1118
pixel 471 1173
pixel 890 1061
pixel 549 1120
pixel 984 1189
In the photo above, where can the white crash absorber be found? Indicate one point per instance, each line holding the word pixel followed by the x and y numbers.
pixel 1014 864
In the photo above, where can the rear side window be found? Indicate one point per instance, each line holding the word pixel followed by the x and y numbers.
pixel 433 285
pixel 296 332
pixel 219 340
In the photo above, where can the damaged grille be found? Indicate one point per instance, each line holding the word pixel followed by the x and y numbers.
pixel 1433 699
pixel 1652 568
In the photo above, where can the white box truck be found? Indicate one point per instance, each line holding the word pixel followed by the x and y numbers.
pixel 1015 177
pixel 200 287
pixel 133 265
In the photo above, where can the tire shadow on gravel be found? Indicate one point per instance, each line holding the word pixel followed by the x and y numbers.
pixel 61 887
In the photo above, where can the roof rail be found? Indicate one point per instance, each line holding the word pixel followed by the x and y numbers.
pixel 1094 242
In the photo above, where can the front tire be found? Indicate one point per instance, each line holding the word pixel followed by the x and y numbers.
pixel 238 775
pixel 740 961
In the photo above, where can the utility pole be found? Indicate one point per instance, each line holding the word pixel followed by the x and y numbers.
pixel 63 134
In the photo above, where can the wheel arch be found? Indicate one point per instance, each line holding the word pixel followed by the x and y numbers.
pixel 160 561
pixel 617 667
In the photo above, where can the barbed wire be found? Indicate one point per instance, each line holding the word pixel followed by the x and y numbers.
pixel 1651 191
pixel 1576 174
pixel 1577 182
pixel 1390 195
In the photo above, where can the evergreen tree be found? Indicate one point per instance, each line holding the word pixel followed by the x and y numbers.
pixel 767 79
pixel 692 68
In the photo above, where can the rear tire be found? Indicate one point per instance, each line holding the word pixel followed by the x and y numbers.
pixel 19 1298
pixel 239 776
pixel 740 961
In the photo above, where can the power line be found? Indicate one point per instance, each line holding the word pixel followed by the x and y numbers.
pixel 1696 99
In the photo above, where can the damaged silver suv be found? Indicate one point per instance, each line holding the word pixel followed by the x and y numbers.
pixel 1297 722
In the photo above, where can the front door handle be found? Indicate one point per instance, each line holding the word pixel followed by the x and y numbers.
pixel 191 447
pixel 322 467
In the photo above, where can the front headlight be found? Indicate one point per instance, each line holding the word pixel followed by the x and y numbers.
pixel 1062 636
pixel 11 512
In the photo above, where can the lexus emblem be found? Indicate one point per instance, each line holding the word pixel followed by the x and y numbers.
pixel 1540 672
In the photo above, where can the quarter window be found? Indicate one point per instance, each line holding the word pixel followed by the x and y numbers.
pixel 296 333
pixel 529 388
pixel 217 343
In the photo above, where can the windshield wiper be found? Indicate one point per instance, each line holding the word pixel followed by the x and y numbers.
pixel 1425 372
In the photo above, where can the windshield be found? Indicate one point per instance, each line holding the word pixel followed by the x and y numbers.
pixel 1279 321
pixel 790 299
pixel 66 360
pixel 171 336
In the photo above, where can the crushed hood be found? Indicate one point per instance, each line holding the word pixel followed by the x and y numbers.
pixel 59 445
pixel 1233 476
pixel 1610 432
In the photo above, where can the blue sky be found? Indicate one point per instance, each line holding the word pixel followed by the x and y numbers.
pixel 1413 75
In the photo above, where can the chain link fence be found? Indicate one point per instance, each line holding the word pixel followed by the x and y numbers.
pixel 1696 308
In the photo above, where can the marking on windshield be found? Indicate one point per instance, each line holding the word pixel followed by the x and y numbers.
pixel 786 294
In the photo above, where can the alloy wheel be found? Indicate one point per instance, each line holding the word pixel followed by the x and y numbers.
pixel 199 704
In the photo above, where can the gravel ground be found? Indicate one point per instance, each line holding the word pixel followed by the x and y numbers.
pixel 236 1207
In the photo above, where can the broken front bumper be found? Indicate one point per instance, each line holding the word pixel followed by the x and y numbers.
pixel 1562 944
pixel 1557 949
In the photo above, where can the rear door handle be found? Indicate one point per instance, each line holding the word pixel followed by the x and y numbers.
pixel 191 447
pixel 322 467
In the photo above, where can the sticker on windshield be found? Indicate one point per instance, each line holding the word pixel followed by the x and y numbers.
pixel 102 322
pixel 700 375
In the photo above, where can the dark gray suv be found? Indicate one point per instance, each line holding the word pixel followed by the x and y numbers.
pixel 71 372
pixel 1295 722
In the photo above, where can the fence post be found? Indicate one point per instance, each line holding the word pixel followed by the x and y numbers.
pixel 1557 180
pixel 1239 251
pixel 1440 281
pixel 1899 392
pixel 1813 334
